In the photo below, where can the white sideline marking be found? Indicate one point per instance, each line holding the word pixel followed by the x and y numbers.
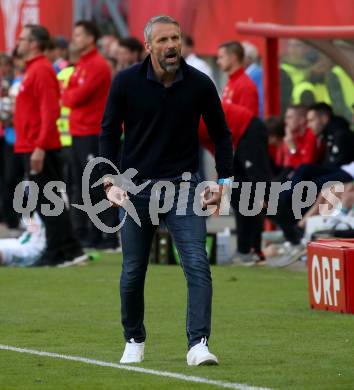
pixel 174 375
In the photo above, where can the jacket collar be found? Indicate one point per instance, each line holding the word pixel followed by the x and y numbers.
pixel 34 59
pixel 235 75
pixel 89 54
pixel 147 69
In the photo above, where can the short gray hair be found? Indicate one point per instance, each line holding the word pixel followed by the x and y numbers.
pixel 157 19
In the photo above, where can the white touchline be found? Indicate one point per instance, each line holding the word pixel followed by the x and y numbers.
pixel 174 375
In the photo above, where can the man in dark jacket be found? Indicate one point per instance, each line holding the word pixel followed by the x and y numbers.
pixel 160 102
pixel 336 133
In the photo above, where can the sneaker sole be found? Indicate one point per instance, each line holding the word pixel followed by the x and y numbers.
pixel 275 263
pixel 133 362
pixel 209 362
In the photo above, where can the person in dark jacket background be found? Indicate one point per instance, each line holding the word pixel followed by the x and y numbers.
pixel 251 164
pixel 336 133
pixel 339 140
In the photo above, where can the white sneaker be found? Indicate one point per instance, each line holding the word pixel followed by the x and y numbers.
pixel 288 254
pixel 133 352
pixel 199 355
pixel 79 260
pixel 245 259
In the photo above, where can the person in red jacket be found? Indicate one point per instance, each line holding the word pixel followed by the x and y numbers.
pixel 240 89
pixel 37 139
pixel 250 164
pixel 300 144
pixel 86 96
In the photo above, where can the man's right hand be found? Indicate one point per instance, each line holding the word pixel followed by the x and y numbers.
pixel 116 196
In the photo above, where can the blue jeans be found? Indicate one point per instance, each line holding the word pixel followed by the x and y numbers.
pixel 189 234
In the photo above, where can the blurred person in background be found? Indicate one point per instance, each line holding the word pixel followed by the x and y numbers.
pixel 37 140
pixel 239 89
pixel 276 132
pixel 6 72
pixel 192 59
pixel 296 60
pixel 27 249
pixel 13 166
pixel 341 90
pixel 293 70
pixel 85 96
pixel 113 48
pixel 6 76
pixel 61 54
pixel 337 197
pixel 130 52
pixel 63 123
pixel 254 71
pixel 300 144
pixel 113 65
pixel 250 164
pixel 335 132
pixel 104 45
pixel 314 85
pixel 336 166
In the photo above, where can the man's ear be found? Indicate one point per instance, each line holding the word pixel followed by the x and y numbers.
pixel 147 47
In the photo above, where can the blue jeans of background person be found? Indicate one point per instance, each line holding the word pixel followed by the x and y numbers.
pixel 189 234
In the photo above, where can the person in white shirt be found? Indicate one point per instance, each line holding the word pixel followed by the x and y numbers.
pixel 27 249
pixel 192 59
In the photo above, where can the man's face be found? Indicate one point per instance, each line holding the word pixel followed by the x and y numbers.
pixel 81 40
pixel 165 46
pixel 126 57
pixel 294 120
pixel 24 43
pixel 225 60
pixel 316 121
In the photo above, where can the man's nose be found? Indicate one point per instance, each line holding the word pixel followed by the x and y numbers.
pixel 171 44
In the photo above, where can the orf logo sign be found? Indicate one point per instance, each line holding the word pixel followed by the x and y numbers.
pixel 326 279
pixel 326 285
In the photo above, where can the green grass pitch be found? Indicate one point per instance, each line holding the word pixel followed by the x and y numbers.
pixel 263 330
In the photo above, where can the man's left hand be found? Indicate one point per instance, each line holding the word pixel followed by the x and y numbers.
pixel 212 196
pixel 37 161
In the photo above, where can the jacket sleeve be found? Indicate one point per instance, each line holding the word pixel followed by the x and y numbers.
pixel 220 134
pixel 111 126
pixel 47 92
pixel 75 96
pixel 341 151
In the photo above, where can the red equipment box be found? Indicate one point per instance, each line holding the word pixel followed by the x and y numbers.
pixel 331 275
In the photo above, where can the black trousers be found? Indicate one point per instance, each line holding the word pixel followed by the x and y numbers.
pixel 61 242
pixel 250 164
pixel 83 150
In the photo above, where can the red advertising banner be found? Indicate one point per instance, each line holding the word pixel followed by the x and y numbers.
pixel 212 22
pixel 56 15
pixel 331 275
